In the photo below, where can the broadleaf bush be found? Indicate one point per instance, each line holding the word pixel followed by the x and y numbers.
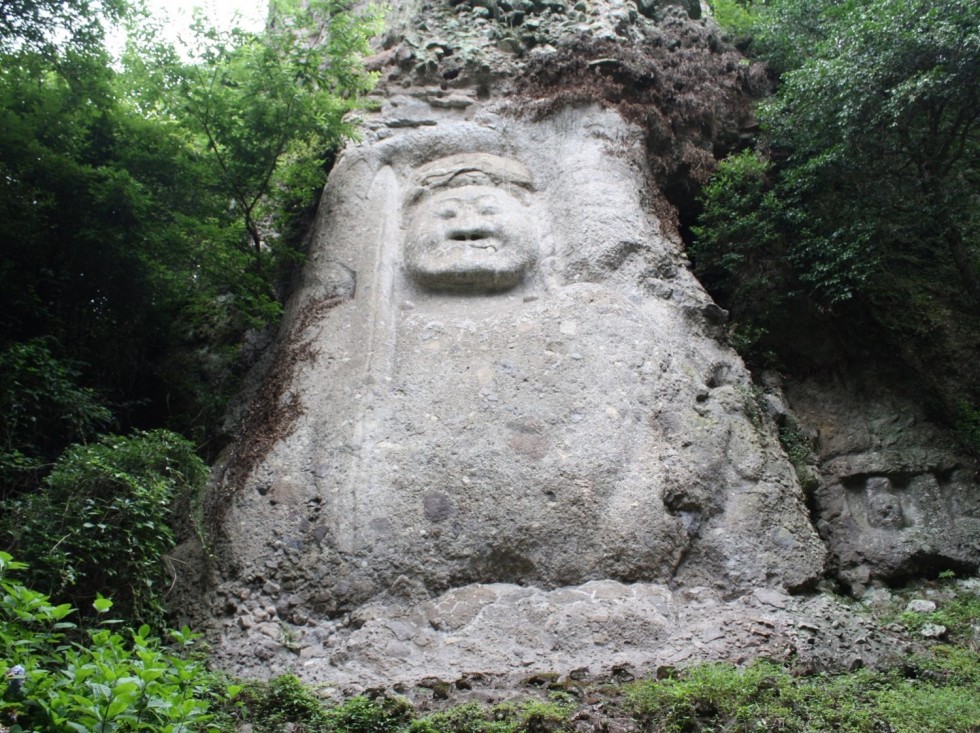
pixel 102 521
pixel 61 679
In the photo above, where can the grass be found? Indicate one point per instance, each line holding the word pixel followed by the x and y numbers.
pixel 933 693
pixel 766 697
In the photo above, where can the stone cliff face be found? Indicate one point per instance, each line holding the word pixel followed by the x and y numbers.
pixel 893 499
pixel 501 431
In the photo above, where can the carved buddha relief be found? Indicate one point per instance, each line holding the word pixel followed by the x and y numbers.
pixel 499 394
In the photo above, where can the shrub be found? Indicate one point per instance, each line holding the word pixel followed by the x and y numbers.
pixel 799 450
pixel 101 524
pixel 285 703
pixel 282 702
pixel 967 427
pixel 471 717
pixel 711 695
pixel 733 17
pixel 363 715
pixel 764 696
pixel 125 680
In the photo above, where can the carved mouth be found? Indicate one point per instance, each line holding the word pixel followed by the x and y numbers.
pixel 482 239
pixel 476 237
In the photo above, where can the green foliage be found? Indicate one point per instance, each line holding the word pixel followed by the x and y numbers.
pixel 740 252
pixel 784 32
pixel 529 716
pixel 710 695
pixel 44 26
pixel 800 452
pixel 747 339
pixel 103 522
pixel 264 109
pixel 124 681
pixel 102 253
pixel 364 715
pixel 285 702
pixel 873 134
pixel 42 408
pixel 534 716
pixel 959 615
pixel 764 696
pixel 733 16
pixel 856 213
pixel 740 240
pixel 466 718
pixel 882 127
pixel 148 210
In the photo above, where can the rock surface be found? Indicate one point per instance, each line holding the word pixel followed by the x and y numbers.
pixel 894 499
pixel 574 421
pixel 501 434
pixel 508 633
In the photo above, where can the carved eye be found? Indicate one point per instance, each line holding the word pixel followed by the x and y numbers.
pixel 446 213
pixel 489 210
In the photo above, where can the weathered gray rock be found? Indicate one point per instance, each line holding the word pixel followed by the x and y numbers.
pixel 894 499
pixel 516 382
pixel 512 633
pixel 520 386
pixel 496 370
pixel 655 8
pixel 921 605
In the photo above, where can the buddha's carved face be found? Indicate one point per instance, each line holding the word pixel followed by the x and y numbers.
pixel 474 238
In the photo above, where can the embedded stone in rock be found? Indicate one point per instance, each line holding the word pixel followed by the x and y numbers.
pixel 655 8
pixel 933 631
pixel 529 635
pixel 921 605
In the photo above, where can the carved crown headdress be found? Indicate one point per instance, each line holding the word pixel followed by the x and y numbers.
pixel 469 169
